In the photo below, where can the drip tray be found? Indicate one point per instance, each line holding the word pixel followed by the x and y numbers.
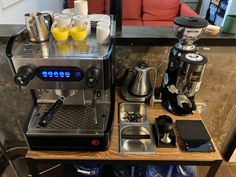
pixel 136 139
pixel 74 119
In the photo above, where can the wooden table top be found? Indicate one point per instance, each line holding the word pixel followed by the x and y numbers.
pixel 161 154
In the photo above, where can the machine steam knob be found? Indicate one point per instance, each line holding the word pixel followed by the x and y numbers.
pixel 24 75
pixel 92 77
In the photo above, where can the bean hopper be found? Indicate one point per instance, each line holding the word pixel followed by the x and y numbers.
pixel 183 76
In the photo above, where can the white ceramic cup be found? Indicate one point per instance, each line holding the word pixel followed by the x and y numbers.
pixel 105 18
pixel 62 20
pixel 105 24
pixel 70 12
pixel 102 34
pixel 81 7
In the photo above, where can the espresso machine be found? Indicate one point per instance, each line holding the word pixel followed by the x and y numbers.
pixel 183 76
pixel 73 91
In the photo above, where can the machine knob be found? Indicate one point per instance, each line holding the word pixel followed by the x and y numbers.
pixel 24 75
pixel 92 77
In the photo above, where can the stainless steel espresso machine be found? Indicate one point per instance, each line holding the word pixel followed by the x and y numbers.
pixel 72 86
pixel 183 76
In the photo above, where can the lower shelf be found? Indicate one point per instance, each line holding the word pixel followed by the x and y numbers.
pixel 68 170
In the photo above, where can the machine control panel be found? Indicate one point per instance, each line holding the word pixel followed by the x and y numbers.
pixel 59 73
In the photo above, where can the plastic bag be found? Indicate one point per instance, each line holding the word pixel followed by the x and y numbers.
pixel 184 171
pixel 171 171
pixel 157 170
pixel 92 170
pixel 129 171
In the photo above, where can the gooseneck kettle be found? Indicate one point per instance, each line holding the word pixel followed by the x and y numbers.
pixel 140 84
pixel 138 87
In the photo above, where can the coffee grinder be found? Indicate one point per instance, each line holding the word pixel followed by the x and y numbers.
pixel 183 76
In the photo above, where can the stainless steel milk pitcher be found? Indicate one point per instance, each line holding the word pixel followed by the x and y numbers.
pixel 36 27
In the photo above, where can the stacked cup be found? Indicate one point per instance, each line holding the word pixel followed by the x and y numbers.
pixel 103 32
pixel 81 7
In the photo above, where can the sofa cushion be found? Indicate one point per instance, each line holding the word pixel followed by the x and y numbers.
pixel 185 10
pixel 131 9
pixel 158 23
pixel 96 6
pixel 107 7
pixel 70 3
pixel 160 9
pixel 132 23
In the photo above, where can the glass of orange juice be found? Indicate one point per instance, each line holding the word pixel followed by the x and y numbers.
pixel 60 27
pixel 80 27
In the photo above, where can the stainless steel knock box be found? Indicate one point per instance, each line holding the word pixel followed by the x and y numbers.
pixel 135 133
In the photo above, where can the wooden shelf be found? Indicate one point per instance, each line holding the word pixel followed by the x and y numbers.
pixel 113 155
pixel 165 156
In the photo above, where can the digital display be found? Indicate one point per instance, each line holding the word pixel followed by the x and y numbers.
pixel 59 73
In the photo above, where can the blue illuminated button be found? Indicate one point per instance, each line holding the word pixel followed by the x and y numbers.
pixel 56 74
pixel 45 74
pixel 78 75
pixel 61 74
pixel 50 73
pixel 67 74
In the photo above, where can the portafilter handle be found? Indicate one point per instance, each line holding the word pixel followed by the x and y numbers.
pixel 48 115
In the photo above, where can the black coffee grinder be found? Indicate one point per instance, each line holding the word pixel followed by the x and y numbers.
pixel 185 67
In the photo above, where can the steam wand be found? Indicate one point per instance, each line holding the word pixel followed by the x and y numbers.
pixel 94 102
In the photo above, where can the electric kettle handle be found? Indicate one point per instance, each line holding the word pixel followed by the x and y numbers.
pixel 155 75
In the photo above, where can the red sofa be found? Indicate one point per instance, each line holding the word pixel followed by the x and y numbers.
pixel 144 12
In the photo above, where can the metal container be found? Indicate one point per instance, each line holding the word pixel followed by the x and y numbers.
pixel 136 139
pixel 36 26
pixel 128 110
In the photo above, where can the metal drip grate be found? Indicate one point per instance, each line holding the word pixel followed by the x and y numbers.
pixel 75 117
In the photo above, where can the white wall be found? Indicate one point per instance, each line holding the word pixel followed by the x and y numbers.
pixel 15 14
